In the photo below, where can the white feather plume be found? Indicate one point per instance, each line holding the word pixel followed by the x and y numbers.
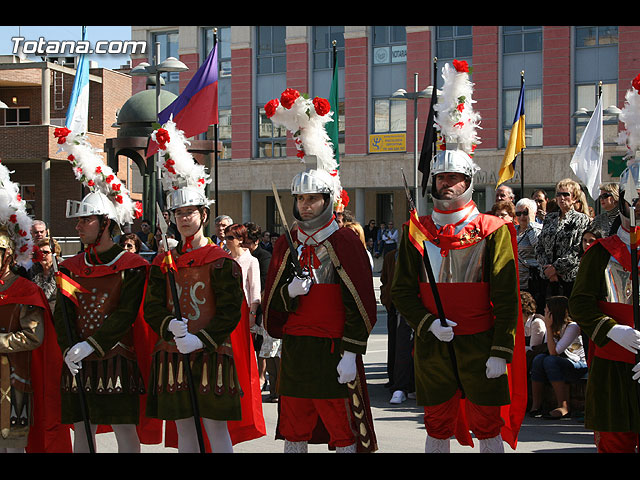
pixel 307 126
pixel 13 215
pixel 630 116
pixel 456 119
pixel 90 169
pixel 176 164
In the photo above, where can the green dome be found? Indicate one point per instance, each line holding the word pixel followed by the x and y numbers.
pixel 138 114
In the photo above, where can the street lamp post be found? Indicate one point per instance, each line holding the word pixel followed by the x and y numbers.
pixel 170 64
pixel 416 95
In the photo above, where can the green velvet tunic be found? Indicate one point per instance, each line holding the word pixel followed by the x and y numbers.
pixel 308 363
pixel 611 400
pixel 435 377
pixel 113 408
pixel 226 282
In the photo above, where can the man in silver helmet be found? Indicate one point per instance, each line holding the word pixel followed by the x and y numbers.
pixel 324 317
pixel 101 313
pixel 463 363
pixel 602 304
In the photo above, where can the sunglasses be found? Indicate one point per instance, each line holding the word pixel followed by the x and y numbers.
pixel 230 237
pixel 605 195
pixel 523 212
pixel 45 252
pixel 563 194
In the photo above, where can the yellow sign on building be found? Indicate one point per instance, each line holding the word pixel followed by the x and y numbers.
pixel 387 142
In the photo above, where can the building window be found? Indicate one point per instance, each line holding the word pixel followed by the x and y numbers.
pixel 168 48
pixel 519 39
pixel 224 85
pixel 389 44
pixel 532 114
pixel 388 73
pixel 17 116
pixel 389 116
pixel 596 60
pixel 272 140
pixel 272 51
pixel 224 48
pixel 595 36
pixel 586 97
pixel 454 42
pixel 522 51
pixel 323 38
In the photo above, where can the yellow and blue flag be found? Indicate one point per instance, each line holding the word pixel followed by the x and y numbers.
pixel 516 142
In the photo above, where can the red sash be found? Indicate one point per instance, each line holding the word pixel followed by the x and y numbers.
pixel 78 267
pixel 473 232
pixel 623 314
pixel 620 312
pixel 467 304
pixel 320 313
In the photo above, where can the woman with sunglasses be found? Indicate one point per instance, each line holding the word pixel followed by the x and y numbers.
pixel 609 210
pixel 559 241
pixel 528 231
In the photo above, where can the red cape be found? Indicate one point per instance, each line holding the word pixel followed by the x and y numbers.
pixel 149 429
pixel 513 413
pixel 252 425
pixel 355 263
pixel 47 434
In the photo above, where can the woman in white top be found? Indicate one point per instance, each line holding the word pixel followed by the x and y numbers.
pixel 565 361
pixel 235 237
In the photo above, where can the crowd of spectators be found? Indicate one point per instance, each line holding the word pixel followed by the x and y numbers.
pixel 552 234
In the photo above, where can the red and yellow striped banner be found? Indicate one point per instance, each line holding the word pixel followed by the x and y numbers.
pixel 69 287
pixel 417 232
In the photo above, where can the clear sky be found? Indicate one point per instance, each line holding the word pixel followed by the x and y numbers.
pixel 74 33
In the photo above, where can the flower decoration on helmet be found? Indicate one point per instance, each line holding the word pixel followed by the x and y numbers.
pixel 178 169
pixel 89 168
pixel 306 119
pixel 16 221
pixel 456 120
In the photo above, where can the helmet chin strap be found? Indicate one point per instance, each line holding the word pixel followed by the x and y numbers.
pixel 92 246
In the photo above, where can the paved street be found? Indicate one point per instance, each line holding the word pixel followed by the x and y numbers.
pixel 399 428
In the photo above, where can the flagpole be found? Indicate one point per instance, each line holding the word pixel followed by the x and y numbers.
pixel 215 140
pixel 522 152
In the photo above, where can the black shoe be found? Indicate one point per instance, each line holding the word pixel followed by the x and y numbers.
pixel 535 413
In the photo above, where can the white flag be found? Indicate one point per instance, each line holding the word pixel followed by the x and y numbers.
pixel 587 159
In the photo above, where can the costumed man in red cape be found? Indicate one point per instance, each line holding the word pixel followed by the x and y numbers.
pixel 100 291
pixel 324 312
pixel 469 366
pixel 25 337
pixel 602 304
pixel 213 331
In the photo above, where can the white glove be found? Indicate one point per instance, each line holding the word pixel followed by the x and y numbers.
pixel 626 337
pixel 347 367
pixel 496 366
pixel 636 370
pixel 188 343
pixel 76 354
pixel 178 327
pixel 299 286
pixel 444 334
